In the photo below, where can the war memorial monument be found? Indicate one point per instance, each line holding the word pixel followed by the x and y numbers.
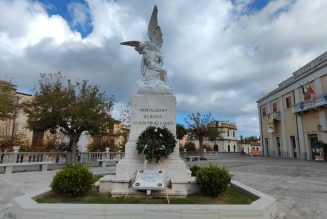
pixel 153 105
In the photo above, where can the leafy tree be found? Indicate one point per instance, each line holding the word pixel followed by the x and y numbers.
pixel 199 125
pixel 71 107
pixel 241 138
pixel 207 147
pixel 250 139
pixel 213 134
pixel 8 99
pixel 180 131
pixel 17 139
pixel 8 111
pixel 189 146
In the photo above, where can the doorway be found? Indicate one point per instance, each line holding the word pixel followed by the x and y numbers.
pixel 267 148
pixel 315 150
pixel 215 147
pixel 279 153
pixel 293 146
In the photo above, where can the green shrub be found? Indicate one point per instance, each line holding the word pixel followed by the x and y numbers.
pixel 194 169
pixel 213 180
pixel 190 147
pixel 207 147
pixel 73 180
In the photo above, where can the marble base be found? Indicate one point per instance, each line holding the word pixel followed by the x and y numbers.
pixel 150 110
pixel 265 207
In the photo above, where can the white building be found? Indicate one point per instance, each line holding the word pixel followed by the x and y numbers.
pixel 225 140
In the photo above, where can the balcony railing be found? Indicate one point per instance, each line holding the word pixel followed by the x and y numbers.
pixel 276 115
pixel 318 101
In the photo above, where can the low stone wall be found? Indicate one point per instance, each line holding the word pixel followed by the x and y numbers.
pixel 264 207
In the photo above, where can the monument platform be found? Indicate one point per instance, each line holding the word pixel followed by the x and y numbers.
pixel 148 109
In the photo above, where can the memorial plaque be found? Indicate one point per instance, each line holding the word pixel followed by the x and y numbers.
pixel 149 180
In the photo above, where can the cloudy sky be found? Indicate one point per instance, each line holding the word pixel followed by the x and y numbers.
pixel 221 55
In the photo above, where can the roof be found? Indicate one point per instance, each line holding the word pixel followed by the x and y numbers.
pixel 25 94
pixel 223 124
pixel 312 66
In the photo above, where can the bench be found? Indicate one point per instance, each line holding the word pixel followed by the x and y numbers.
pixel 103 162
pixel 9 166
pixel 193 158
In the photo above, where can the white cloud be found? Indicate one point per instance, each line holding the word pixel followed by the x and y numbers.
pixel 220 56
pixel 80 14
pixel 24 24
pixel 111 20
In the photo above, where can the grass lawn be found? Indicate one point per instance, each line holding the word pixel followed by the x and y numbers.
pixel 231 196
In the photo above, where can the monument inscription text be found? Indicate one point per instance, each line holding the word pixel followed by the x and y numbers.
pixel 153 117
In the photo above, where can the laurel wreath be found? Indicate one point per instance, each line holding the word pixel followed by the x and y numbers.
pixel 156 143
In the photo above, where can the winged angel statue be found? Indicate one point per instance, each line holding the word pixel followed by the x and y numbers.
pixel 154 75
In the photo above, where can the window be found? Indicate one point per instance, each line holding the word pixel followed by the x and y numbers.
pixel 234 148
pixel 228 148
pixel 308 90
pixel 274 107
pixel 288 102
pixel 37 138
pixel 233 133
pixel 227 132
pixel 264 113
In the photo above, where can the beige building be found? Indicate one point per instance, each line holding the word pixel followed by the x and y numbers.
pixel 115 138
pixel 293 116
pixel 11 127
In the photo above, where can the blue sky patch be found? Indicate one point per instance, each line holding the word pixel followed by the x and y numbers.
pixel 65 9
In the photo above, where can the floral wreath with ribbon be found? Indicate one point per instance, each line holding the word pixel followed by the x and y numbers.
pixel 156 143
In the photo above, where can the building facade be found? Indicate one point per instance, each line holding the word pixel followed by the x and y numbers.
pixel 223 137
pixel 226 140
pixel 115 138
pixel 252 149
pixel 18 125
pixel 293 117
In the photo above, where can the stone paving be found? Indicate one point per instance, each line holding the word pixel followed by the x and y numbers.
pixel 300 187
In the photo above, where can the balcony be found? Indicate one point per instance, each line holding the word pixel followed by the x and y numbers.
pixel 274 115
pixel 318 101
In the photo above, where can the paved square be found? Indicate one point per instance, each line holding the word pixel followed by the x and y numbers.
pixel 300 187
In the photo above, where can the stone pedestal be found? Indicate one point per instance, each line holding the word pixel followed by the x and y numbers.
pixel 150 109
